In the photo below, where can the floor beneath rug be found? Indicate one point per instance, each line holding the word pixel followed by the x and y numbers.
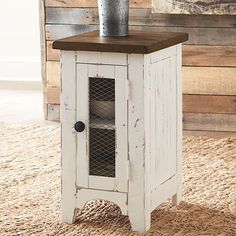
pixel 30 190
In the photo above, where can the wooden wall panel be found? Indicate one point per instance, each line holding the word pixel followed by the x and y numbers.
pixel 52 54
pixel 209 104
pixel 209 57
pixel 93 3
pixel 209 80
pixel 138 16
pixel 205 55
pixel 53 73
pixel 205 36
pixel 213 122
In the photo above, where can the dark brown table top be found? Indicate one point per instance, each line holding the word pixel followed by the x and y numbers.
pixel 139 42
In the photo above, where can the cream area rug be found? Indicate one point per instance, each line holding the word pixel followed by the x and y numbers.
pixel 30 190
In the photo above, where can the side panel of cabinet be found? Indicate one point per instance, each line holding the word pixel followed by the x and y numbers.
pixel 163 119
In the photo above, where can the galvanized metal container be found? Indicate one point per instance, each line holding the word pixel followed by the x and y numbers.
pixel 114 17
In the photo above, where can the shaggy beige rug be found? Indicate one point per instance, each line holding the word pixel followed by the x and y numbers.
pixel 30 190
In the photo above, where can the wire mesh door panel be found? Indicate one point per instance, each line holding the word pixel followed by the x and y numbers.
pixel 103 155
pixel 102 130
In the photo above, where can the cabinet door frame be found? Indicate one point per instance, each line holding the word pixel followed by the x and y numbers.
pixel 120 74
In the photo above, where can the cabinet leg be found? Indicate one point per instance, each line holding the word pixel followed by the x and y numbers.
pixel 140 222
pixel 177 198
pixel 68 216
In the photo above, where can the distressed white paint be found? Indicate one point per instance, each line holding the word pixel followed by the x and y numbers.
pixel 179 126
pixel 68 118
pixel 148 123
pixel 121 124
pixel 82 115
pixel 85 195
pixel 105 58
pixel 119 73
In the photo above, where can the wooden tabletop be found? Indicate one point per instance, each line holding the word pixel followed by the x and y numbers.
pixel 139 42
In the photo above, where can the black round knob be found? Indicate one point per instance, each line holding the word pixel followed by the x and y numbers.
pixel 79 126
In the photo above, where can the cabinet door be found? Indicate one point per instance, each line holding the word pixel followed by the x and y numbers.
pixel 102 146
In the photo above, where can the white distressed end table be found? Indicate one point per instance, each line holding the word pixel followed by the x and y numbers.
pixel 121 116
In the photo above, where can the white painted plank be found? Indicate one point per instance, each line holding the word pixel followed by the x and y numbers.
pixel 83 115
pixel 121 128
pixel 173 113
pixel 163 54
pixel 139 218
pixel 68 118
pixel 179 126
pixel 102 71
pixel 86 195
pixel 106 58
pixel 147 131
pixel 163 192
pixel 102 183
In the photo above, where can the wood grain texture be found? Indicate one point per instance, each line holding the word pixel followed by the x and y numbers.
pixel 52 95
pixel 53 73
pixel 211 122
pixel 42 19
pixel 202 55
pixel 212 7
pixel 52 54
pixel 138 42
pixel 209 104
pixel 92 3
pixel 209 80
pixel 203 36
pixel 138 16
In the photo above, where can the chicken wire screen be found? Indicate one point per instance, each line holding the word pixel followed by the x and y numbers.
pixel 102 133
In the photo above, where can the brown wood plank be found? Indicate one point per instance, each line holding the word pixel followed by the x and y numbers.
pixel 52 95
pixel 209 80
pixel 93 3
pixel 203 36
pixel 202 55
pixel 53 73
pixel 136 42
pixel 52 54
pixel 138 17
pixel 209 104
pixel 213 122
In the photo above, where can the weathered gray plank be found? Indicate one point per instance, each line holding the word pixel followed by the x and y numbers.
pixel 138 17
pixel 212 122
pixel 211 7
pixel 54 32
pixel 206 36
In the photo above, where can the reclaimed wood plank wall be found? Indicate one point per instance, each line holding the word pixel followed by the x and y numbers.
pixel 209 57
